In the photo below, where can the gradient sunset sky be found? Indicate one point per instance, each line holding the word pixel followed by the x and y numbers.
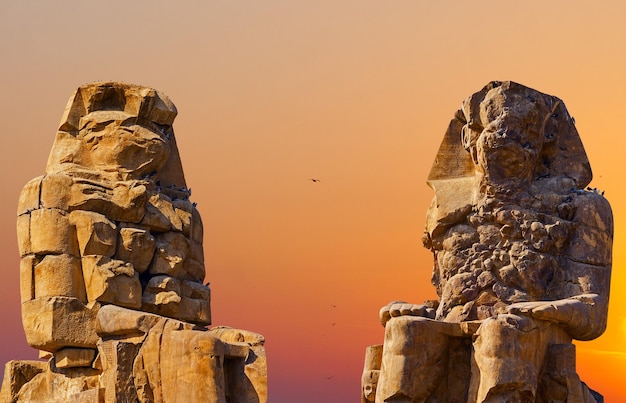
pixel 355 93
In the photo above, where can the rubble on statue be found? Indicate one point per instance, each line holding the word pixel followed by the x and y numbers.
pixel 112 267
pixel 522 263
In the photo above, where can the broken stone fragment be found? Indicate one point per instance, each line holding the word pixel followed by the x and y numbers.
pixel 16 375
pixel 178 299
pixel 111 281
pixel 119 201
pixel 58 385
pixel 135 246
pixel 172 248
pixel 160 214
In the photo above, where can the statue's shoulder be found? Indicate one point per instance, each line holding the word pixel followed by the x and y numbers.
pixel 592 209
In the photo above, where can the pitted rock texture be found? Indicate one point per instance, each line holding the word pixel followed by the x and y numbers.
pixel 522 260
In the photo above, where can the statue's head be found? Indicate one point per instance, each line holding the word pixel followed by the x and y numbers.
pixel 516 135
pixel 504 133
pixel 119 131
pixel 505 139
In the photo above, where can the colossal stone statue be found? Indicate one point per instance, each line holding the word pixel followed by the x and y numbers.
pixel 112 267
pixel 522 262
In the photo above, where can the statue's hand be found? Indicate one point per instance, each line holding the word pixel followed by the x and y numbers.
pixel 575 315
pixel 544 310
pixel 401 308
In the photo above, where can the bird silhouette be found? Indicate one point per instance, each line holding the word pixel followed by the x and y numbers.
pixel 314 180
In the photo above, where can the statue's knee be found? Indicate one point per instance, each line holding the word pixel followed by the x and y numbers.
pixel 205 344
pixel 506 324
pixel 410 334
pixel 410 323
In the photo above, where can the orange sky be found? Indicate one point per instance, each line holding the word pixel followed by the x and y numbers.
pixel 355 93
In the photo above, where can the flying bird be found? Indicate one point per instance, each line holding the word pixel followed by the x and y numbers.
pixel 314 180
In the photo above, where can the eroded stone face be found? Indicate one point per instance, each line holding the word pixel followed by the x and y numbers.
pixel 108 200
pixel 522 256
pixel 110 224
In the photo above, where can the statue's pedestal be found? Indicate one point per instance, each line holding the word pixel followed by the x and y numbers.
pixel 143 357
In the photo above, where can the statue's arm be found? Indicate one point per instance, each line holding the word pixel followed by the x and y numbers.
pixel 583 316
pixel 583 313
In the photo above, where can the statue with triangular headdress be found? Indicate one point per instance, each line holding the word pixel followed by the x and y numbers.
pixel 522 262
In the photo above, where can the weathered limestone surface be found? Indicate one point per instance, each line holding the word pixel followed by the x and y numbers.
pixel 522 262
pixel 112 266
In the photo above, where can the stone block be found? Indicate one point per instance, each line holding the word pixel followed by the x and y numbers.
pixel 59 275
pixel 51 233
pixel 197 229
pixel 194 266
pixel 27 281
pixel 115 321
pixel 160 214
pixel 195 311
pixel 74 357
pixel 184 211
pixel 95 233
pixel 23 234
pixel 55 191
pixel 51 323
pixel 124 202
pixel 29 197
